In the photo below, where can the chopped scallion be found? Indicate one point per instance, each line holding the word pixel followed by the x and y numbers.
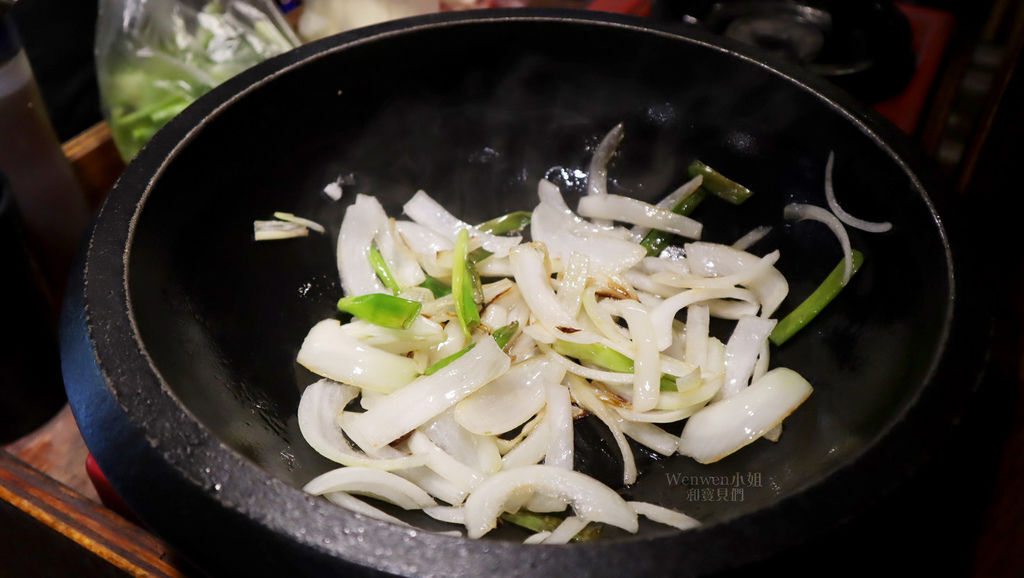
pixel 606 358
pixel 447 360
pixel 381 309
pixel 463 284
pixel 719 185
pixel 814 303
pixel 503 335
pixel 380 267
pixel 547 523
pixel 436 286
pixel 505 224
pixel 656 241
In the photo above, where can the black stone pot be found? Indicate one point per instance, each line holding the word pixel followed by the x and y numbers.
pixel 180 332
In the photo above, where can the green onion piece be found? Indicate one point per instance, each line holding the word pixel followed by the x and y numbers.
pixel 444 362
pixel 463 286
pixel 380 267
pixel 505 224
pixel 668 383
pixel 656 241
pixel 607 358
pixel 814 303
pixel 718 185
pixel 545 523
pixel 600 355
pixel 478 254
pixel 532 522
pixel 503 335
pixel 381 309
pixel 436 286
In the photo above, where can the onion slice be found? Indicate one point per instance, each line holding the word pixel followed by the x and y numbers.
pixel 636 212
pixel 591 500
pixel 427 396
pixel 319 407
pixel 664 515
pixel 730 424
pixel 597 176
pixel 372 483
pixel 329 351
pixel 363 220
pixel 833 204
pixel 802 212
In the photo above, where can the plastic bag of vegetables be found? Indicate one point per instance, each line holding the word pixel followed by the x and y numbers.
pixel 154 57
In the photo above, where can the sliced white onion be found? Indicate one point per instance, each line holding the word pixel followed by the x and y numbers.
pixel 559 423
pixel 651 436
pixel 698 323
pixel 450 514
pixel 434 484
pixel 741 351
pixel 802 212
pixel 534 281
pixel 669 202
pixel 584 395
pixel 712 260
pixel 476 451
pixel 663 315
pixel 507 445
pixel 510 400
pixel 443 464
pixel 602 319
pixel 646 362
pixel 597 175
pixel 350 502
pixel 424 210
pixel 401 259
pixel 833 204
pixel 373 483
pixel 333 190
pixel 566 530
pixel 564 233
pixel 590 499
pixel 636 212
pixel 664 515
pixel 537 538
pixel 753 236
pixel 363 219
pixel 330 352
pixel 427 396
pixel 530 450
pixel 731 423
pixel 422 334
pixel 658 415
pixel 421 239
pixel 573 281
pixel 319 407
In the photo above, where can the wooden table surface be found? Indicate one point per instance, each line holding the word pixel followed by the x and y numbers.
pixel 967 506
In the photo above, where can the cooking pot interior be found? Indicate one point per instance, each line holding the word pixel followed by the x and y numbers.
pixel 475 116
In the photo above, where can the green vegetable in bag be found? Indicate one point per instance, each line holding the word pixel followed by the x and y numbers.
pixel 154 58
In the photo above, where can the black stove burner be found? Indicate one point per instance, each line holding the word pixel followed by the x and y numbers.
pixel 864 47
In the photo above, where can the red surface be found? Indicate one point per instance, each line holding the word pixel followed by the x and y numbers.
pixel 108 496
pixel 634 7
pixel 931 31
